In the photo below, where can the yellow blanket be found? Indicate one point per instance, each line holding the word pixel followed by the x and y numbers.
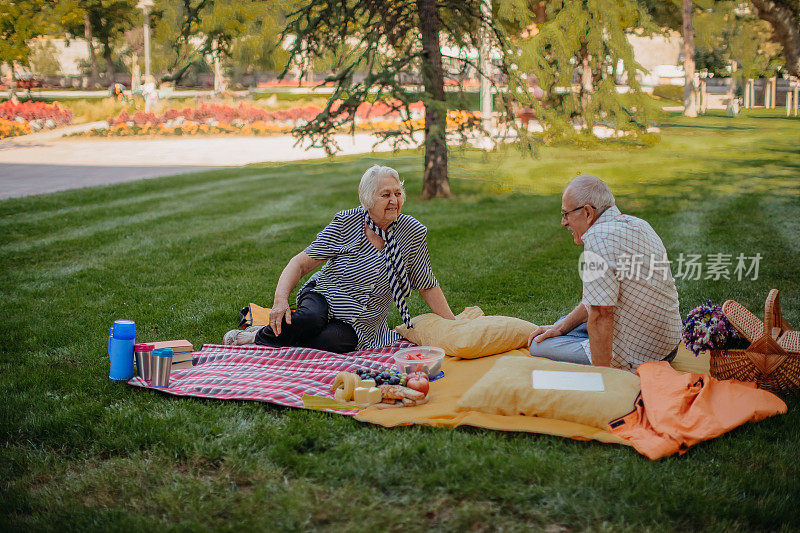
pixel 460 375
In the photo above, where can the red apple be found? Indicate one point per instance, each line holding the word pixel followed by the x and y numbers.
pixel 419 382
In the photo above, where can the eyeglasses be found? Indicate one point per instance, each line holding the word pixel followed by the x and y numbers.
pixel 565 213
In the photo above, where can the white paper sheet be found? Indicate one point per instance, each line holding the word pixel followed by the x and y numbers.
pixel 583 381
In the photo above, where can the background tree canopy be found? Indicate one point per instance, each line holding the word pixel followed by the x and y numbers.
pixel 380 50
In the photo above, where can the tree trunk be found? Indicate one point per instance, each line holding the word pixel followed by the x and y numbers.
pixel 587 86
pixel 540 12
pixel 485 63
pixel 785 27
pixel 434 183
pixel 12 82
pixel 689 97
pixel 94 78
pixel 111 72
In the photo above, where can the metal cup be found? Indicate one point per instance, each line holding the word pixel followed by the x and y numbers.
pixel 160 366
pixel 143 355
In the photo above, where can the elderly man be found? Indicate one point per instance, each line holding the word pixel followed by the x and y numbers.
pixel 629 312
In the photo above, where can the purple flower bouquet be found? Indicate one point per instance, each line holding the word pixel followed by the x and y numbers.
pixel 706 328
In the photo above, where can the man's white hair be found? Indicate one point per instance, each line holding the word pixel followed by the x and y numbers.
pixel 370 181
pixel 588 189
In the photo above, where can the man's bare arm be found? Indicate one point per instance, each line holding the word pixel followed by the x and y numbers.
pixel 601 333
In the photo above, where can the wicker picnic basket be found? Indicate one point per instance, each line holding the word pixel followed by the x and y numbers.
pixel 773 358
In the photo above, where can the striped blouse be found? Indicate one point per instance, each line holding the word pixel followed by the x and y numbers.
pixel 354 279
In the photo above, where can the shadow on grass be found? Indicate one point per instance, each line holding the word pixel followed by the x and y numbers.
pixel 706 126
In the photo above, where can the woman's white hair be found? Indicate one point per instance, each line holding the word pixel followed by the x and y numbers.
pixel 588 189
pixel 370 181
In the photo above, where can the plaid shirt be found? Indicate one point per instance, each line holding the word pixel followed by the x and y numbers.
pixel 638 283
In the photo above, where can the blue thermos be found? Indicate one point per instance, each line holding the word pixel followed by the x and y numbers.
pixel 120 350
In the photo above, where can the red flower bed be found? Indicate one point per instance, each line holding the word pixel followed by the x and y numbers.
pixel 219 113
pixel 248 114
pixel 29 111
pixel 219 119
pixel 382 110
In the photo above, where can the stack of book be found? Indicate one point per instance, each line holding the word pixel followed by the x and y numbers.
pixel 181 350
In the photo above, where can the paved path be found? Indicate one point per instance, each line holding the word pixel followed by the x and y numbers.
pixel 42 162
pixel 23 180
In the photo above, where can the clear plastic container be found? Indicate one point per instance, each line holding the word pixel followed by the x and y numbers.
pixel 426 359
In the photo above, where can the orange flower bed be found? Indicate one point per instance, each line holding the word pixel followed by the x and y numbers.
pixel 12 128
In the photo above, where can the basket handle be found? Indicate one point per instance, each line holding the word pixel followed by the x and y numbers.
pixel 772 312
pixel 774 323
pixel 772 315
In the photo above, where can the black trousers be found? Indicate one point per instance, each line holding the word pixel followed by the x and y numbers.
pixel 311 328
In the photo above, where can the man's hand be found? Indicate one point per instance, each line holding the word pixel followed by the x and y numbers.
pixel 280 311
pixel 544 332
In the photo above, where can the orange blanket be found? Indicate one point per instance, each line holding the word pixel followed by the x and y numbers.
pixel 442 409
pixel 677 410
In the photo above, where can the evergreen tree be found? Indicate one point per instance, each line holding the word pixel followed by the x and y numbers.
pixel 383 45
pixel 577 56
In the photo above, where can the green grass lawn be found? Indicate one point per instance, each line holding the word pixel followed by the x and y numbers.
pixel 181 255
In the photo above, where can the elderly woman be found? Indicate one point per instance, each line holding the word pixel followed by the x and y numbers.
pixel 373 256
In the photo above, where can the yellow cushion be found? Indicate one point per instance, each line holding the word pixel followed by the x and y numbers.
pixel 507 389
pixel 471 335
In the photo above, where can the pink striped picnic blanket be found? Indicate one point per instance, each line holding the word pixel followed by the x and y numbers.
pixel 275 375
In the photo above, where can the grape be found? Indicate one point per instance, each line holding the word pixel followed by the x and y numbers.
pixel 394 380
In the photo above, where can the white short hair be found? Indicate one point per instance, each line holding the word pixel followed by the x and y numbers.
pixel 369 184
pixel 591 190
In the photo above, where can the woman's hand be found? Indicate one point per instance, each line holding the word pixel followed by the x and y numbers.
pixel 280 312
pixel 298 266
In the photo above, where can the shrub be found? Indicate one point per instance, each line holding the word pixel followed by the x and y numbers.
pixel 669 92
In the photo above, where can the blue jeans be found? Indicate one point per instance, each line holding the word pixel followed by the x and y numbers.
pixel 565 348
